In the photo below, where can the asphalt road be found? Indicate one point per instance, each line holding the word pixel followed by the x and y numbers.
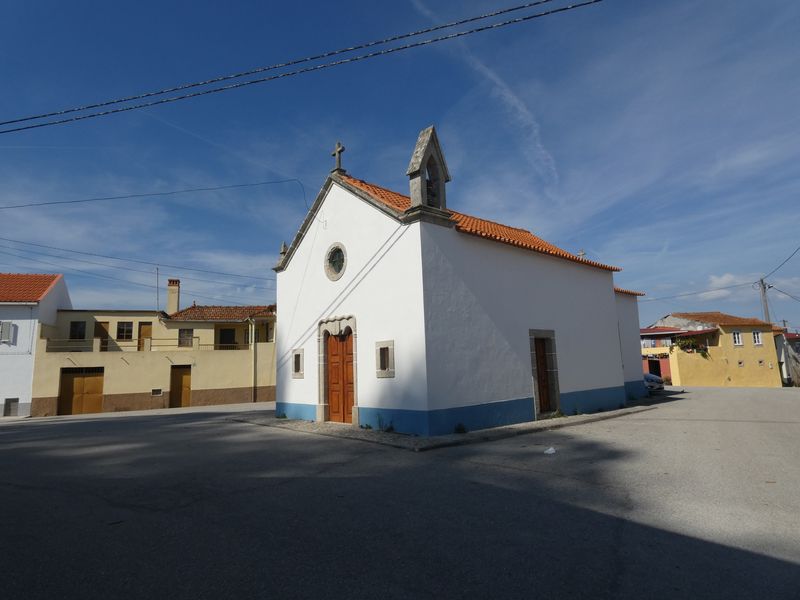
pixel 699 498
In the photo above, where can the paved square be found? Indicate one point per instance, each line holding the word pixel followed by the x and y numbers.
pixel 698 498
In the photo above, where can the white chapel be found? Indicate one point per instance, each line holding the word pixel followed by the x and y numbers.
pixel 398 312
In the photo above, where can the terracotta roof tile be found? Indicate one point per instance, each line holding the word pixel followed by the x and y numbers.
pixel 25 287
pixel 628 292
pixel 719 318
pixel 222 313
pixel 514 236
pixel 660 330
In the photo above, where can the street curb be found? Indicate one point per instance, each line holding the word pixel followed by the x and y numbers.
pixel 421 444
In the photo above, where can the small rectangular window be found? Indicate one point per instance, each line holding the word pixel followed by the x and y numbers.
pixel 757 338
pixel 384 359
pixel 297 364
pixel 77 330
pixel 125 330
pixel 6 329
pixel 156 392
pixel 185 338
pixel 270 332
pixel 737 338
pixel 760 363
pixel 11 407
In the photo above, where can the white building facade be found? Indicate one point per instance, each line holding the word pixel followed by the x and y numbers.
pixel 26 301
pixel 400 314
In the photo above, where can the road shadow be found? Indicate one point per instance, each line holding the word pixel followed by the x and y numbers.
pixel 193 506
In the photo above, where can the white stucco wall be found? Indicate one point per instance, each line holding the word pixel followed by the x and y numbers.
pixel 381 287
pixel 629 338
pixel 16 358
pixel 482 298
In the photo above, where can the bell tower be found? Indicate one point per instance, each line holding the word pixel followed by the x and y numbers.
pixel 427 172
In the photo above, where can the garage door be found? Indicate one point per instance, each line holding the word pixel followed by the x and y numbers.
pixel 81 391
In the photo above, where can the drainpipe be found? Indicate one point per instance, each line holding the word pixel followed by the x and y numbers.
pixel 253 353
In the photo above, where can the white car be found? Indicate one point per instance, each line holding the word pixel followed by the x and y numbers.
pixel 653 382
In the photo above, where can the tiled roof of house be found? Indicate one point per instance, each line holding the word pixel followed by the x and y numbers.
pixel 522 238
pixel 628 292
pixel 697 332
pixel 222 313
pixel 25 287
pixel 660 330
pixel 719 318
pixel 793 337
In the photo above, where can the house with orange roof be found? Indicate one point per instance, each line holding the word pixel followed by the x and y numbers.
pixel 27 302
pixel 713 349
pixel 398 312
pixel 91 361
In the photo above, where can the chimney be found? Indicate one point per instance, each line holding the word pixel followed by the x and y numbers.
pixel 173 296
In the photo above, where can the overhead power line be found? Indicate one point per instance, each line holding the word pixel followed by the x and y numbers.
pixel 304 70
pixel 158 194
pixel 786 294
pixel 727 287
pixel 143 262
pixel 783 263
pixel 131 269
pixel 264 69
pixel 126 281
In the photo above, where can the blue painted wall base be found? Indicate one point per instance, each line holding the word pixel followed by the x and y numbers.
pixel 301 412
pixel 637 389
pixel 591 401
pixel 471 418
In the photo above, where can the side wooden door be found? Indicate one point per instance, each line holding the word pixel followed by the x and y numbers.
pixel 542 376
pixel 101 331
pixel 145 333
pixel 180 386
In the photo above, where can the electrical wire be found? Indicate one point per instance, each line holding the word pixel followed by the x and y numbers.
pixel 304 70
pixel 120 267
pixel 783 263
pixel 786 294
pixel 290 63
pixel 126 281
pixel 727 287
pixel 158 194
pixel 134 260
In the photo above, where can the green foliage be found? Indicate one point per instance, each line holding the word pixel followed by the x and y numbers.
pixel 690 345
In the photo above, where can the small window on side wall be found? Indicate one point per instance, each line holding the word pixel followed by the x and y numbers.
pixel 757 338
pixel 384 359
pixel 737 338
pixel 297 364
pixel 125 330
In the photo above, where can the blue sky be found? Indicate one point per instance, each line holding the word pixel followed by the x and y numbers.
pixel 658 136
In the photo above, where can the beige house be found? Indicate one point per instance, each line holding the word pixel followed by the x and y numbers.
pixel 116 360
pixel 711 349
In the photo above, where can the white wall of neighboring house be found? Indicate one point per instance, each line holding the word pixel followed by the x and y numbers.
pixel 630 345
pixel 482 298
pixel 381 288
pixel 16 356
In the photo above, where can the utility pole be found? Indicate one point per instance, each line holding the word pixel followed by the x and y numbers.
pixel 765 307
pixel 158 300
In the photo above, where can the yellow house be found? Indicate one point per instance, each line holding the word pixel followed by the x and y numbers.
pixel 719 350
pixel 117 360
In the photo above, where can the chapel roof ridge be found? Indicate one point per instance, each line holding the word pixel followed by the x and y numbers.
pixel 473 225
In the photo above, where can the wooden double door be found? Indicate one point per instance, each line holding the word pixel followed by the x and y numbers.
pixel 339 381
pixel 81 391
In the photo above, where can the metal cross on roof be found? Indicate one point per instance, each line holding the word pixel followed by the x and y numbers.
pixel 337 153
